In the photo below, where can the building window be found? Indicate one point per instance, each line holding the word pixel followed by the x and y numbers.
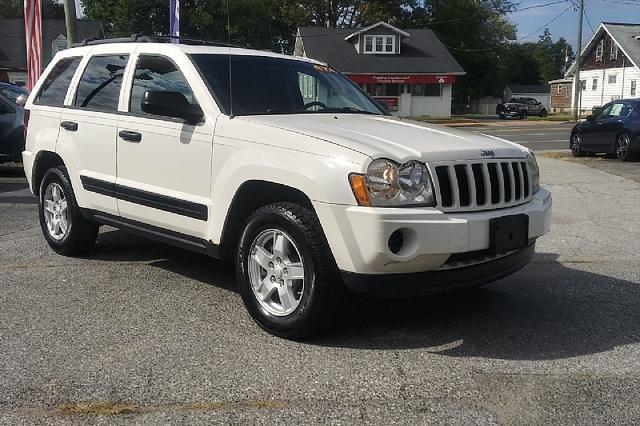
pixel 426 90
pixel 379 44
pixel 583 85
pixel 390 45
pixel 612 79
pixel 559 89
pixel 600 51
pixel 594 84
pixel 368 44
pixel 614 51
pixel 633 87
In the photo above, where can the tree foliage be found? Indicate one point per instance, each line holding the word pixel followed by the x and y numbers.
pixel 51 9
pixel 478 33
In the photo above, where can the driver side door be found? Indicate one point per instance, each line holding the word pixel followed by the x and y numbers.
pixel 164 164
pixel 590 128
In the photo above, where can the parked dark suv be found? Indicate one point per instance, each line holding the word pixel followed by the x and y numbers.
pixel 11 122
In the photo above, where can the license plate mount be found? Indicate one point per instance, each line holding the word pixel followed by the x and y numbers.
pixel 509 233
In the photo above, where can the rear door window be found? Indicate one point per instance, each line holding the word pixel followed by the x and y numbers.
pixel 99 87
pixel 55 86
pixel 157 73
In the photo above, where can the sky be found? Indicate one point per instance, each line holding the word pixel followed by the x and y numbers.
pixel 531 22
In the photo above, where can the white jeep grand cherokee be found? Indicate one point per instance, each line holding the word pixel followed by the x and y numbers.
pixel 280 163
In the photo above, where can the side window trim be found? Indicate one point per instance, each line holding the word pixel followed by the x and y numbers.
pixel 73 87
pixel 87 59
pixel 126 107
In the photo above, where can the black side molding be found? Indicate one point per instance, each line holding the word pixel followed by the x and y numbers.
pixel 166 236
pixel 98 186
pixel 145 198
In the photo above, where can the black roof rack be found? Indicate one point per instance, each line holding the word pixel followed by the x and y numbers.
pixel 143 38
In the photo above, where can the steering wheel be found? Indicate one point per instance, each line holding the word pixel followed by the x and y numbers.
pixel 315 103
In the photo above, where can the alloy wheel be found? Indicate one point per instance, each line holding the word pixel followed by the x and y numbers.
pixel 56 212
pixel 622 147
pixel 276 272
pixel 576 145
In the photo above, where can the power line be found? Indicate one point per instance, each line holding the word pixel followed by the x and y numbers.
pixel 539 5
pixel 545 25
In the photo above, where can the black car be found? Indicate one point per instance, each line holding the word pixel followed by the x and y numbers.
pixel 11 122
pixel 612 129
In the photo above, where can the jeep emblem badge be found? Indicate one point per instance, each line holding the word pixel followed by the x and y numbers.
pixel 487 153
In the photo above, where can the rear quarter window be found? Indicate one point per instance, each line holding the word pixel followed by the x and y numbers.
pixel 55 86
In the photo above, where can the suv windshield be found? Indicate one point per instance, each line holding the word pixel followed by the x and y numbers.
pixel 266 85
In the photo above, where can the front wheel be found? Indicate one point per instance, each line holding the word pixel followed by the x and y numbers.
pixel 623 145
pixel 286 275
pixel 576 145
pixel 67 232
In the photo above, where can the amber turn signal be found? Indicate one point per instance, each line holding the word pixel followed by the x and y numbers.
pixel 359 187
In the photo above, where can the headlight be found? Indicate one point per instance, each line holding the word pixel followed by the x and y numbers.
pixel 534 173
pixel 389 184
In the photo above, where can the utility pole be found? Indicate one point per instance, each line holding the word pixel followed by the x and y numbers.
pixel 70 21
pixel 578 84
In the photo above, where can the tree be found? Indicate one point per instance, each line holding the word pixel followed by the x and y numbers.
pixel 51 9
pixel 476 32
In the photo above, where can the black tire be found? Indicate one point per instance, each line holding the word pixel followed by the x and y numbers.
pixel 576 145
pixel 81 233
pixel 623 147
pixel 324 293
pixel 543 113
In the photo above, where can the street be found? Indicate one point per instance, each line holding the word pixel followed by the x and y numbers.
pixel 141 332
pixel 537 135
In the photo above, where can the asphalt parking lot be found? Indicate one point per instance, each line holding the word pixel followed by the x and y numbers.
pixel 140 332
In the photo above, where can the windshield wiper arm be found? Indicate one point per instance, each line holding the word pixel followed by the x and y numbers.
pixel 356 110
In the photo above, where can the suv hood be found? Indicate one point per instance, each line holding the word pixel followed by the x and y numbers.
pixel 394 138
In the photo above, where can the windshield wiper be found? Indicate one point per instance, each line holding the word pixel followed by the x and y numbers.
pixel 356 111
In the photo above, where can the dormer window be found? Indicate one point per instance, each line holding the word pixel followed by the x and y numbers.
pixel 380 44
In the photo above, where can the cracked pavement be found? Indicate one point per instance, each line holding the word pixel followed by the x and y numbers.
pixel 139 332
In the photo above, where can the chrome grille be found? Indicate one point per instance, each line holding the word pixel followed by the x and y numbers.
pixel 474 185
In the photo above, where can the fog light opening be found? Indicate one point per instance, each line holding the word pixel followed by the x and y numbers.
pixel 396 241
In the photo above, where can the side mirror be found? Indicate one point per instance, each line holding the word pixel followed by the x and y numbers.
pixel 171 104
pixel 590 117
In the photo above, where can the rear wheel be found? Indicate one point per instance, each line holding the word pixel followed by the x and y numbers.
pixel 67 232
pixel 623 151
pixel 543 113
pixel 286 275
pixel 576 145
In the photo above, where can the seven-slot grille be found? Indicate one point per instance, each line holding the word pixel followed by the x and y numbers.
pixel 465 186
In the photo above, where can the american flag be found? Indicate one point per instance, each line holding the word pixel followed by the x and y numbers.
pixel 174 18
pixel 33 36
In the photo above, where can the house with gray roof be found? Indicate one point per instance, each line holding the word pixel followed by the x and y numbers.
pixel 409 68
pixel 610 66
pixel 13 47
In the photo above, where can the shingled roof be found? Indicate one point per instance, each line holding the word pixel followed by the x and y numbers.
pixel 421 53
pixel 13 53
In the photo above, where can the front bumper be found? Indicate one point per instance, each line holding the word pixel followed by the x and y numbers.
pixel 359 236
pixel 421 283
